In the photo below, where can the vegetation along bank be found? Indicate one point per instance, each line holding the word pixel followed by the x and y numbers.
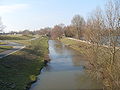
pixel 18 70
pixel 103 62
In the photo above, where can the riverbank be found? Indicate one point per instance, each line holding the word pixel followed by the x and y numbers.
pixel 77 45
pixel 18 70
pixel 103 63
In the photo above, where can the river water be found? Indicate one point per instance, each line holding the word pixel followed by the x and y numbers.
pixel 65 71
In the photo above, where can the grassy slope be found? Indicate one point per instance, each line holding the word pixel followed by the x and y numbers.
pixel 22 67
pixel 24 42
pixel 79 46
pixel 15 37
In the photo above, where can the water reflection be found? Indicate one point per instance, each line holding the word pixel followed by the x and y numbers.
pixel 65 71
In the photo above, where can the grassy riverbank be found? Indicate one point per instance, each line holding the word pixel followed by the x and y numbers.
pixel 79 46
pixel 22 67
pixel 101 64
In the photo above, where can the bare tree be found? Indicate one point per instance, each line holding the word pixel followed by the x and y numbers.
pixel 57 32
pixel 70 31
pixel 78 22
pixel 26 32
pixel 95 27
pixel 112 19
pixel 105 59
pixel 94 33
pixel 112 13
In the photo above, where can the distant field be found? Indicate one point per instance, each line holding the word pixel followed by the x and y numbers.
pixel 22 39
pixel 15 37
pixel 1 43
pixel 4 48
pixel 24 42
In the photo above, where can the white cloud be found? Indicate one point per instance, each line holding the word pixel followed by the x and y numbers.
pixel 12 8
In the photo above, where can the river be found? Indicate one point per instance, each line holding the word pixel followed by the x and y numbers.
pixel 65 71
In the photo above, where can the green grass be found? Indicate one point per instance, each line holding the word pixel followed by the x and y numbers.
pixel 79 46
pixel 22 39
pixel 22 67
pixel 15 37
pixel 24 42
pixel 4 48
pixel 2 43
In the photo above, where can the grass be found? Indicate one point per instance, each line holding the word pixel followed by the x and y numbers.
pixel 22 39
pixel 22 67
pixel 79 46
pixel 24 42
pixel 4 48
pixel 15 37
pixel 2 43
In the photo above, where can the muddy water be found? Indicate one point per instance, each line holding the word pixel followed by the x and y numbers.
pixel 65 71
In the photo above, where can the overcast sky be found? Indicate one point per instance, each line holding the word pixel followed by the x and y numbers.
pixel 35 14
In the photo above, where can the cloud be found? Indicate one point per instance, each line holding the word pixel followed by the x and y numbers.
pixel 12 8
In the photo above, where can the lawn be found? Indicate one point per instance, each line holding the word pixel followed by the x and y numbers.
pixel 18 70
pixel 16 37
pixel 24 42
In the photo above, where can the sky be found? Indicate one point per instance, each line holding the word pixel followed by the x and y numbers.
pixel 18 15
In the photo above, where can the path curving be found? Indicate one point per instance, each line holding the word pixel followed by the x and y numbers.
pixel 16 47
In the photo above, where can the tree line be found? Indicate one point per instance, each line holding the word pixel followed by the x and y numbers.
pixel 101 26
pixel 102 30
